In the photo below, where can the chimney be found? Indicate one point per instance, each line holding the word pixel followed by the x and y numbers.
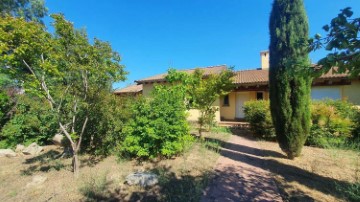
pixel 264 56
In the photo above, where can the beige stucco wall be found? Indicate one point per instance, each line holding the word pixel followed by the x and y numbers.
pixel 229 112
pixel 193 114
pixel 352 92
pixel 348 92
pixel 147 88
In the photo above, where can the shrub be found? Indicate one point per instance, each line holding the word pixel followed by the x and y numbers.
pixel 32 121
pixel 257 113
pixel 342 108
pixel 356 131
pixel 158 125
pixel 4 107
pixel 107 118
pixel 332 124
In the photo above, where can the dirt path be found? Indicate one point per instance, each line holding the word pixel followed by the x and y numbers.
pixel 240 175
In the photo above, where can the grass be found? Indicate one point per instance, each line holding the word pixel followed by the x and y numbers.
pixel 318 174
pixel 182 178
pixel 94 187
pixel 352 191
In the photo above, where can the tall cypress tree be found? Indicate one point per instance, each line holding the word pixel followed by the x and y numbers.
pixel 290 81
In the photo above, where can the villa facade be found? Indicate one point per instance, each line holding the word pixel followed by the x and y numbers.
pixel 254 85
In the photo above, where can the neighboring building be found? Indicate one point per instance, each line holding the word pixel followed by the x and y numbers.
pixel 254 85
pixel 135 89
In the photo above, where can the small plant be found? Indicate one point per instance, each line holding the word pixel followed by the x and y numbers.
pixel 94 187
pixel 220 129
pixel 214 145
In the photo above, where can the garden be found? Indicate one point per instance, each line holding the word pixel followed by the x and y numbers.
pixel 64 135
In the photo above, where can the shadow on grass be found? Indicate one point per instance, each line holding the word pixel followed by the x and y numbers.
pixel 186 187
pixel 45 157
pixel 289 173
pixel 169 188
pixel 43 163
pixel 91 161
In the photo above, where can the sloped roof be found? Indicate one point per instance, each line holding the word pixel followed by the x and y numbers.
pixel 242 77
pixel 130 89
pixel 261 76
pixel 207 71
pixel 251 76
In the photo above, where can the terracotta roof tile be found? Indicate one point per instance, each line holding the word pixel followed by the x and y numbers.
pixel 207 71
pixel 261 76
pixel 256 76
pixel 251 76
pixel 129 89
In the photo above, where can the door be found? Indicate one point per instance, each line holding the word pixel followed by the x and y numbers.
pixel 241 98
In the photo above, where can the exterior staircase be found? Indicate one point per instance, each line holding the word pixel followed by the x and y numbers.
pixel 234 124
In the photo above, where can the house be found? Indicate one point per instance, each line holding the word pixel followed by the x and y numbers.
pixel 254 85
pixel 131 90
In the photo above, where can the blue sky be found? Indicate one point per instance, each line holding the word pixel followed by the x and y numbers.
pixel 153 35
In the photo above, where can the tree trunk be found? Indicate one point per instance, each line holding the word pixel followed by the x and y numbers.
pixel 76 165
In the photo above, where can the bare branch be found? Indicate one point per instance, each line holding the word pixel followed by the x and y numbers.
pixel 82 132
pixel 62 97
pixel 42 58
pixel 74 117
pixel 43 85
pixel 63 129
pixel 85 83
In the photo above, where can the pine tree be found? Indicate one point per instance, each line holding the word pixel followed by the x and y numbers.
pixel 290 81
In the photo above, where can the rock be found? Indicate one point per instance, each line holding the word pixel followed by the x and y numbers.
pixel 7 153
pixel 33 149
pixel 142 179
pixel 36 181
pixel 19 148
pixel 57 139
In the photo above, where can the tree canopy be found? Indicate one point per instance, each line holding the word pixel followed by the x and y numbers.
pixel 30 10
pixel 64 68
pixel 203 90
pixel 343 41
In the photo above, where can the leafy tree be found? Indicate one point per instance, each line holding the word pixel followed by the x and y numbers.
pixel 4 108
pixel 290 80
pixel 158 126
pixel 108 116
pixel 202 91
pixel 343 40
pixel 32 121
pixel 30 10
pixel 64 68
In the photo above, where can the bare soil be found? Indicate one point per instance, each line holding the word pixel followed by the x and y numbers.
pixel 103 179
pixel 317 175
pixel 314 176
pixel 247 170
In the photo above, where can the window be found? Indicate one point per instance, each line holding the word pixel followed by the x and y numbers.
pixel 226 100
pixel 259 95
